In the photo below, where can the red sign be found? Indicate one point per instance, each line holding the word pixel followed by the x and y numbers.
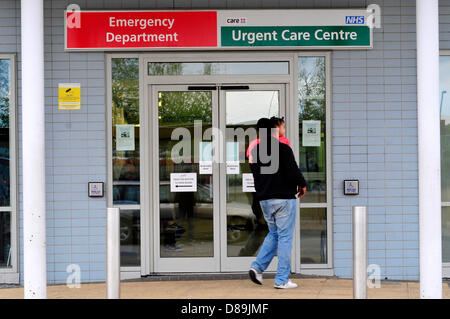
pixel 140 29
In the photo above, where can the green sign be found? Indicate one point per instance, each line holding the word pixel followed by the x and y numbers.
pixel 296 36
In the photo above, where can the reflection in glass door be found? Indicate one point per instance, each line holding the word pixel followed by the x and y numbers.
pixel 242 223
pixel 186 214
pixel 214 201
pixel 312 114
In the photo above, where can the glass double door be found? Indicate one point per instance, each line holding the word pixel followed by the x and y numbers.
pixel 205 218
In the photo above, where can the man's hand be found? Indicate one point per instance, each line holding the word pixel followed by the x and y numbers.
pixel 301 192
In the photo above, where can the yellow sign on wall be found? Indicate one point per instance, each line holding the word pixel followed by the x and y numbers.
pixel 69 96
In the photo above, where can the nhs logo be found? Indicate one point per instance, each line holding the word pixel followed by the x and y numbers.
pixel 354 20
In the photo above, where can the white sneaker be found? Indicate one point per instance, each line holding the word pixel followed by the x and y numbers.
pixel 255 277
pixel 286 285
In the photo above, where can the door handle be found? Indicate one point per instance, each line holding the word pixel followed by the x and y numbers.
pixel 202 88
pixel 235 87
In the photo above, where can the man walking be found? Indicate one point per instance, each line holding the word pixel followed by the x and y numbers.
pixel 277 182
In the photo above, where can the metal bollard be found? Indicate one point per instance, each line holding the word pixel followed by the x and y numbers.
pixel 113 253
pixel 360 252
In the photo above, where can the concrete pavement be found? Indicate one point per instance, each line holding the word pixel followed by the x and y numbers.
pixel 309 288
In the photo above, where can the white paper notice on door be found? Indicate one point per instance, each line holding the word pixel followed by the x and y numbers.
pixel 232 167
pixel 205 162
pixel 125 137
pixel 232 158
pixel 205 167
pixel 183 182
pixel 311 133
pixel 248 183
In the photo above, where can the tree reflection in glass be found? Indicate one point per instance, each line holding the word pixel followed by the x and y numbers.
pixel 4 132
pixel 186 218
pixel 312 106
pixel 125 111
pixel 5 217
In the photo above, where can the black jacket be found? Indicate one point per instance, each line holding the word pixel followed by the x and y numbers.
pixel 284 181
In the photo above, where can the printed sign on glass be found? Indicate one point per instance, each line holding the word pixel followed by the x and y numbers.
pixel 232 158
pixel 205 163
pixel 183 182
pixel 125 138
pixel 248 183
pixel 311 133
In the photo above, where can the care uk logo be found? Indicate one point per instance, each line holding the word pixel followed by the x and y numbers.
pixel 236 20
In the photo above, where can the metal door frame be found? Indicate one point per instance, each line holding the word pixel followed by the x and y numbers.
pixel 220 261
pixel 182 264
pixel 229 264
pixel 147 264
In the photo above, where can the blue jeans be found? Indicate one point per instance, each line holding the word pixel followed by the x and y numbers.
pixel 280 216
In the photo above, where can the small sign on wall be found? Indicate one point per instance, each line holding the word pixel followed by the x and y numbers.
pixel 351 187
pixel 96 189
pixel 69 96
